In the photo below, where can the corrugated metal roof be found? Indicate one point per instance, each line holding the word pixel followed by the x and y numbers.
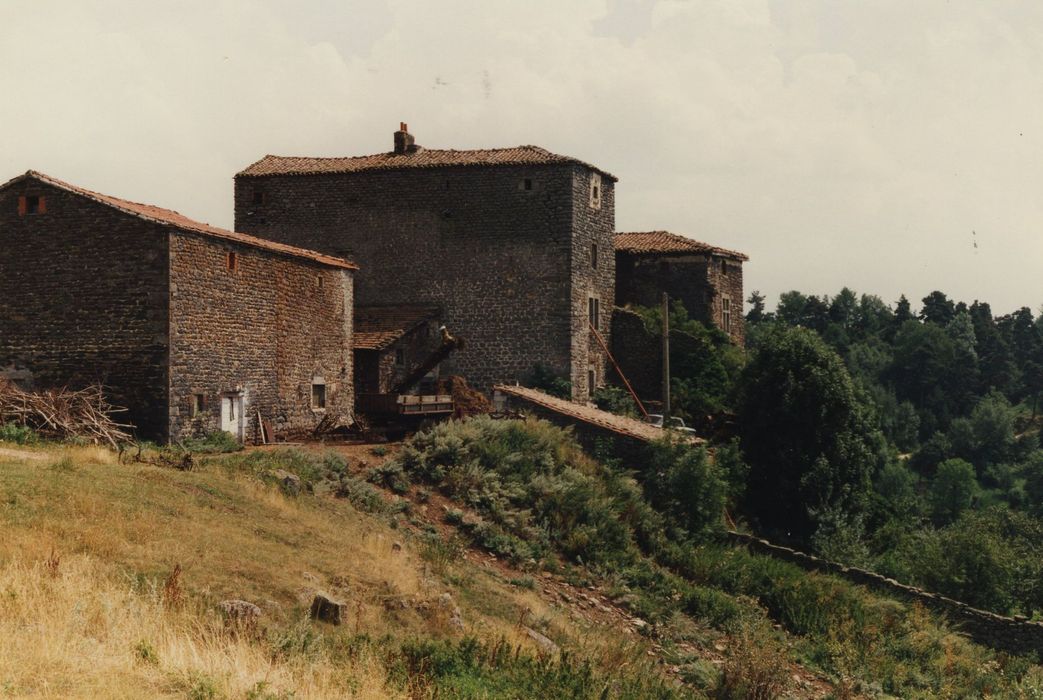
pixel 653 242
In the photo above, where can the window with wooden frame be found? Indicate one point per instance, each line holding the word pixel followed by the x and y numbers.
pixel 198 405
pixel 318 395
pixel 726 314
pixel 32 204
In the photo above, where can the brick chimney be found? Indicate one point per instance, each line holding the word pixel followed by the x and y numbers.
pixel 404 141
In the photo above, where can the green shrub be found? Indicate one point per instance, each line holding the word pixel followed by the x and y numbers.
pixel 218 442
pixel 18 434
pixel 390 476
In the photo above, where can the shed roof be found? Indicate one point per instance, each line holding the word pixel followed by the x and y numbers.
pixel 379 327
pixel 168 217
pixel 420 158
pixel 664 242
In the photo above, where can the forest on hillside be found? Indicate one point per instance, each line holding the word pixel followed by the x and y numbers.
pixel 900 439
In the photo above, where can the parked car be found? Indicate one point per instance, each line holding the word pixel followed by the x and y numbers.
pixel 673 423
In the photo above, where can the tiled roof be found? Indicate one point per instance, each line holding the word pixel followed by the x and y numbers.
pixel 628 427
pixel 652 242
pixel 172 218
pixel 420 158
pixel 378 327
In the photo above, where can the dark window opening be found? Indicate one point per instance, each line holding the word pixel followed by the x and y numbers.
pixel 527 183
pixel 400 356
pixel 594 312
pixel 198 404
pixel 258 197
pixel 319 281
pixel 318 396
pixel 31 204
pixel 724 266
pixel 591 382
pixel 594 255
pixel 231 261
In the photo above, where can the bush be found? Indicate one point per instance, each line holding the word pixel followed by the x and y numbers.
pixel 218 442
pixel 18 434
pixel 683 485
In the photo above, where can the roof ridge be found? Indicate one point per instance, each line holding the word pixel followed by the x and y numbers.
pixel 169 217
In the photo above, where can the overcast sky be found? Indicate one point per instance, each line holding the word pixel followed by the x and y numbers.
pixel 890 146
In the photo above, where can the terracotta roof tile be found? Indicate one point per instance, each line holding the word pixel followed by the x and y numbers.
pixel 629 427
pixel 378 327
pixel 652 242
pixel 421 158
pixel 173 218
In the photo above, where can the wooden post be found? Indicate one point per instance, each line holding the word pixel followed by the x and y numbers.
pixel 666 358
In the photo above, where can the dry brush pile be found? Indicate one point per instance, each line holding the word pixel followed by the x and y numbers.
pixel 63 414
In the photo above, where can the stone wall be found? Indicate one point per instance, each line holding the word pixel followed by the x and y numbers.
pixel 639 355
pixel 83 299
pixel 1013 634
pixel 497 257
pixel 698 281
pixel 267 329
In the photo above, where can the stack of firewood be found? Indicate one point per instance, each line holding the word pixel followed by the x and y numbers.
pixel 63 414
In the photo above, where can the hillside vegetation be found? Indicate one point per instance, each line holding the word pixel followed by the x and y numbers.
pixel 466 559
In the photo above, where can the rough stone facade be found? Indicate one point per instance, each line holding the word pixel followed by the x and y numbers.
pixel 706 279
pixel 264 334
pixel 503 249
pixel 83 299
pixel 144 301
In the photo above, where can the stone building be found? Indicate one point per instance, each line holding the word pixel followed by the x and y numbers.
pixel 514 245
pixel 191 327
pixel 705 278
pixel 389 342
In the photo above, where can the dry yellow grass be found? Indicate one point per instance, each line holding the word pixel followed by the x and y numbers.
pixel 87 544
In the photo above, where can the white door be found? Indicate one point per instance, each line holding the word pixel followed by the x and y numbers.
pixel 232 415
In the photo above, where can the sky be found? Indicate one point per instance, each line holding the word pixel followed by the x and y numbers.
pixel 885 145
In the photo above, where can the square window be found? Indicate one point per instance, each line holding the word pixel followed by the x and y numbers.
pixel 31 204
pixel 258 197
pixel 231 261
pixel 318 396
pixel 198 404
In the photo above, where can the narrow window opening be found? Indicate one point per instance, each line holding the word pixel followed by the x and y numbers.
pixel 591 382
pixel 594 312
pixel 400 357
pixel 527 184
pixel 595 190
pixel 198 404
pixel 318 395
pixel 724 266
pixel 319 281
pixel 231 261
pixel 594 255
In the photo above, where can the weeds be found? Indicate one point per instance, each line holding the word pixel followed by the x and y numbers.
pixel 173 589
pixel 18 434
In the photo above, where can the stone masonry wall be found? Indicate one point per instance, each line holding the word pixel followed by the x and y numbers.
pixel 83 292
pixel 1014 634
pixel 497 257
pixel 695 280
pixel 268 329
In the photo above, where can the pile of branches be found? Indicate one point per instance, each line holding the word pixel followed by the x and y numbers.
pixel 63 414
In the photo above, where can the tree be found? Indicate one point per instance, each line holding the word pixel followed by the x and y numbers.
pixel 756 314
pixel 810 444
pixel 953 490
pixel 937 308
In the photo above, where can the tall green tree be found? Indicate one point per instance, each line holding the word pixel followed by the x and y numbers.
pixel 811 445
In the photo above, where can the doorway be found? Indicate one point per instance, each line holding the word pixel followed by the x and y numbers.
pixel 232 415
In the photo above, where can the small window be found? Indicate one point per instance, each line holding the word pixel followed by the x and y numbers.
pixel 31 204
pixel 526 184
pixel 595 190
pixel 592 380
pixel 318 396
pixel 231 261
pixel 198 404
pixel 594 312
pixel 724 266
pixel 319 281
pixel 400 357
pixel 259 197
pixel 594 255
pixel 726 314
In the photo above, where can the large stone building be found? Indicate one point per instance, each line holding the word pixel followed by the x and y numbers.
pixel 705 278
pixel 513 245
pixel 191 327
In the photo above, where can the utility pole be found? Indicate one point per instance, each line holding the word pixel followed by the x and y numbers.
pixel 666 358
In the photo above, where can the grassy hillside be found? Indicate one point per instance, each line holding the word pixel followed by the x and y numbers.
pixel 465 559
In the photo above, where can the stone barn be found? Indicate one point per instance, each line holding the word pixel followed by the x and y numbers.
pixel 514 245
pixel 191 327
pixel 705 278
pixel 389 342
